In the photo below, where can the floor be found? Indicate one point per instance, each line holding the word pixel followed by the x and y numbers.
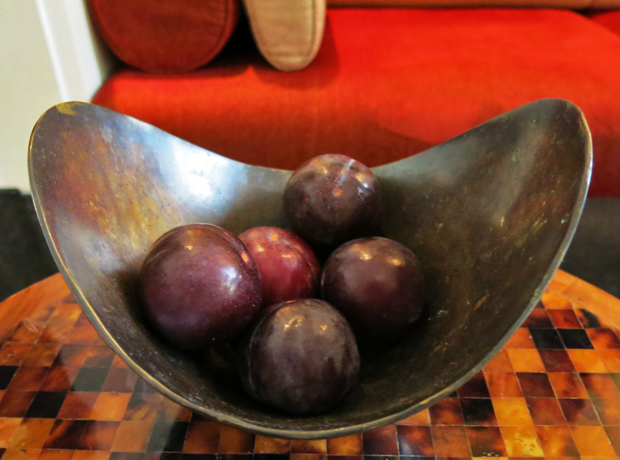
pixel 593 256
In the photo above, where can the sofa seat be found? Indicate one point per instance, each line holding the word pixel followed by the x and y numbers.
pixel 388 83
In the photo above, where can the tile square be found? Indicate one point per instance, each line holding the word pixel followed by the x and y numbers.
pixel 234 441
pixel 512 411
pixel 308 446
pixel 486 442
pixel 90 455
pixel 143 387
pixel 16 403
pixel 90 379
pixel 446 412
pixel 575 338
pixel 521 441
pixel 345 445
pixel 46 404
pixel 110 406
pixel 52 454
pixel 65 434
pixel 603 339
pixel 167 437
pixel 59 378
pixel 6 375
pixel 587 361
pixel 556 441
pixel 611 359
pixel 535 385
pixel 564 319
pixel 171 411
pixel 143 407
pixel 77 405
pixel 98 435
pixel 268 445
pixel 608 410
pixel 28 379
pixel 421 418
pixel 475 388
pixel 12 354
pixel 415 440
pixel 556 361
pixel 579 412
pixel 567 385
pixel 258 456
pixel 450 441
pixel 520 339
pixel 120 380
pixel 118 363
pixel 20 454
pixel 613 434
pixel 555 301
pixel 526 360
pixel 380 441
pixel 545 411
pixel 592 441
pixel 99 356
pixel 587 319
pixel 8 426
pixel 546 339
pixel 538 319
pixel 71 356
pixel 132 436
pixel 600 386
pixel 41 354
pixel 27 331
pixel 499 363
pixel 503 385
pixel 31 433
pixel 478 412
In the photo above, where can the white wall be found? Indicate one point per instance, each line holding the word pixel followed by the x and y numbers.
pixel 27 86
pixel 49 53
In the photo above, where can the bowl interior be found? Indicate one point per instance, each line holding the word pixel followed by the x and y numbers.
pixel 489 213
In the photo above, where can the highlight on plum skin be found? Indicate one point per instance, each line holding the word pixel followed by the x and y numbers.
pixel 288 267
pixel 199 286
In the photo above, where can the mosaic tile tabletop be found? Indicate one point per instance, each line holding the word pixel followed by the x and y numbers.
pixel 552 392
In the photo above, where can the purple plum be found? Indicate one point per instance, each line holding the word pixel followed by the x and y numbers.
pixel 332 199
pixel 300 358
pixel 288 267
pixel 200 286
pixel 377 283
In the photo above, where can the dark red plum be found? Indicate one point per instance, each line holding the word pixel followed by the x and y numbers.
pixel 288 267
pixel 332 199
pixel 200 286
pixel 300 358
pixel 377 284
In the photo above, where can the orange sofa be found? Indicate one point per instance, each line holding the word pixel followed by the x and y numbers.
pixel 390 82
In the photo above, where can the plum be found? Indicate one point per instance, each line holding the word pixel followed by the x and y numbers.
pixel 331 199
pixel 300 358
pixel 200 286
pixel 377 283
pixel 288 267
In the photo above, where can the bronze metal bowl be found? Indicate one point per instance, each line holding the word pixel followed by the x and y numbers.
pixel 490 214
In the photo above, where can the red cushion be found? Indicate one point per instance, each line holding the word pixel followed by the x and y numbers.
pixel 608 19
pixel 165 35
pixel 389 83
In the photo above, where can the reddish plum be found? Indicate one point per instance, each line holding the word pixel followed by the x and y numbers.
pixel 331 199
pixel 200 286
pixel 377 284
pixel 288 267
pixel 301 357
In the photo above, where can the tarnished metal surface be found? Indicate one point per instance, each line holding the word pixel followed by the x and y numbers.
pixel 489 213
